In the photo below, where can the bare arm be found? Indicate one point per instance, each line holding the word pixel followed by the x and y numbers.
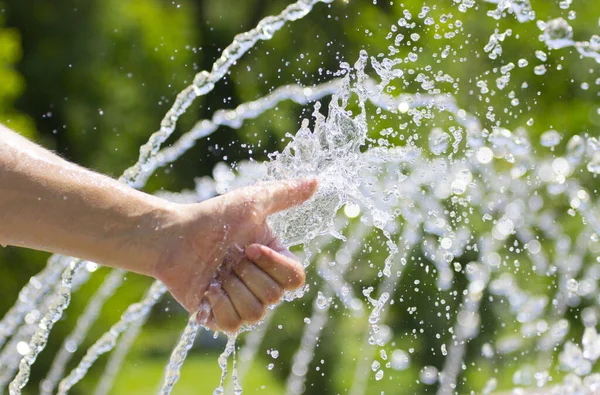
pixel 50 204
pixel 53 205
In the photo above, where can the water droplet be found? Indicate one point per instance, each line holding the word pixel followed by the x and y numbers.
pixel 572 285
pixel 429 375
pixel 539 70
pixel 448 257
pixel 575 149
pixel 375 365
pixel 438 141
pixel 504 228
pixel 400 360
pixel 558 34
pixel 71 346
pixel 23 348
pixel 351 210
pixel 446 243
pixel 487 351
pixel 593 165
pixel 485 155
pixel 403 107
pixel 322 301
pixel 534 246
pixel 550 138
pixel 541 55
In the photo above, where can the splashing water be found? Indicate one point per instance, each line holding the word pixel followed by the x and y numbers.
pixel 502 228
pixel 203 83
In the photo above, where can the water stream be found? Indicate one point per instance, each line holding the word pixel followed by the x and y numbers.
pixel 505 226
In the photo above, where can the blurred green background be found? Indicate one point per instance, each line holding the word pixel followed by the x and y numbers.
pixel 92 79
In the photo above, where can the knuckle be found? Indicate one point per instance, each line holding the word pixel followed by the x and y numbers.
pixel 252 211
pixel 255 216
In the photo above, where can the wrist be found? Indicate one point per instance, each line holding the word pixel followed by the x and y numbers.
pixel 149 236
pixel 188 236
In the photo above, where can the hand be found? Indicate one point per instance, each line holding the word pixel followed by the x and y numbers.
pixel 223 255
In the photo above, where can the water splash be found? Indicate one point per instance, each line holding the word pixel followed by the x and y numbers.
pixel 205 81
pixel 179 354
pixel 223 360
pixel 117 358
pixel 488 205
pixel 135 312
pixel 113 280
pixel 30 296
pixel 40 338
pixel 134 176
pixel 316 323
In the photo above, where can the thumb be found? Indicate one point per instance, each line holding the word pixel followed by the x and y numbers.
pixel 280 195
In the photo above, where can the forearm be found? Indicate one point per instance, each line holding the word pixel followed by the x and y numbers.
pixel 50 204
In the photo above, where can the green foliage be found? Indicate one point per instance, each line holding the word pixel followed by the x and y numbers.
pixel 92 80
pixel 13 83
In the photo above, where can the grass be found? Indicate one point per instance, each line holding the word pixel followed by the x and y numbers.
pixel 199 375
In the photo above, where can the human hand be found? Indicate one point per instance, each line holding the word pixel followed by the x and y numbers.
pixel 222 254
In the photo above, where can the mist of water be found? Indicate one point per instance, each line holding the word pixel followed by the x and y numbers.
pixel 470 200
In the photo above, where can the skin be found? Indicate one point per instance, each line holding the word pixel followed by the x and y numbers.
pixel 218 257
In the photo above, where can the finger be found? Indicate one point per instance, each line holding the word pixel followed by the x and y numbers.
pixel 285 270
pixel 247 305
pixel 280 195
pixel 277 246
pixel 265 288
pixel 225 315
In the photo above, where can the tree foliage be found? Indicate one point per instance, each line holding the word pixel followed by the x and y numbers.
pixel 92 80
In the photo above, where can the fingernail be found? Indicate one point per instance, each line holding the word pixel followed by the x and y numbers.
pixel 253 252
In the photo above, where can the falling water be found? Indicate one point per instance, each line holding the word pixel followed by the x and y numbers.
pixel 203 83
pixel 40 338
pixel 84 323
pixel 471 203
pixel 179 354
